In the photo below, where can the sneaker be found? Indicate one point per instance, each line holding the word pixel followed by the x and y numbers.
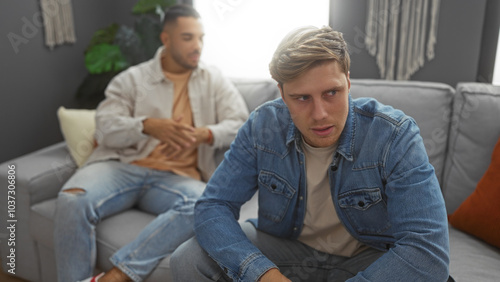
pixel 93 279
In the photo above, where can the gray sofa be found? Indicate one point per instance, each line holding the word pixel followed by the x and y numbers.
pixel 460 127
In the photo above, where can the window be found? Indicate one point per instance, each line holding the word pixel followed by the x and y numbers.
pixel 241 35
pixel 496 70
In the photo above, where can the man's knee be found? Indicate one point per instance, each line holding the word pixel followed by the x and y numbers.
pixel 189 261
pixel 71 199
pixel 183 253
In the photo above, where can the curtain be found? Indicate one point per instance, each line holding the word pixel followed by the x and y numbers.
pixel 58 22
pixel 401 34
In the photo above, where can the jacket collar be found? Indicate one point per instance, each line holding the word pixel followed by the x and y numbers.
pixel 157 72
pixel 346 140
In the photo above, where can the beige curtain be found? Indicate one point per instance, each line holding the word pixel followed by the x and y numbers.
pixel 397 32
pixel 58 22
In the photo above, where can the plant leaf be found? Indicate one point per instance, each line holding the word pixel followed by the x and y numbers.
pixel 104 58
pixel 103 35
pixel 149 6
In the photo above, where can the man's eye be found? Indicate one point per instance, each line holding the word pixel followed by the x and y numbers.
pixel 303 98
pixel 331 93
pixel 187 38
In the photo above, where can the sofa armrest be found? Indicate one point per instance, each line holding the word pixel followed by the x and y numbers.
pixel 38 176
pixel 41 174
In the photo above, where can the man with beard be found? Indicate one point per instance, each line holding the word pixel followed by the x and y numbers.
pixel 157 131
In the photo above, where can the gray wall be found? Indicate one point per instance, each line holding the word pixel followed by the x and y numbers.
pixel 458 45
pixel 35 81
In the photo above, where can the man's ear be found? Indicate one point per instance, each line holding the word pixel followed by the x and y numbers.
pixel 164 37
pixel 280 87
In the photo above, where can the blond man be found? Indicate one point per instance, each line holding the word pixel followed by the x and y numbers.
pixel 346 190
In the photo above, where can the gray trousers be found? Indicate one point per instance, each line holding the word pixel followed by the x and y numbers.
pixel 295 260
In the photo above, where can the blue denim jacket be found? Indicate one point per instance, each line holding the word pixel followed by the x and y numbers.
pixel 384 190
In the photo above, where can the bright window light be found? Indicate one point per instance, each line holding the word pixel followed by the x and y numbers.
pixel 241 35
pixel 496 70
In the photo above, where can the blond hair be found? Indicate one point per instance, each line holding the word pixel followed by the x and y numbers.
pixel 305 48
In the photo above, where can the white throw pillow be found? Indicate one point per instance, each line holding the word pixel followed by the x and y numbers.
pixel 78 127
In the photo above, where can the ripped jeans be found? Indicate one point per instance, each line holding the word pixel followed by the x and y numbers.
pixel 105 188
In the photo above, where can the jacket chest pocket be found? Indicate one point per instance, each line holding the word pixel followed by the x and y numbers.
pixel 365 210
pixel 275 195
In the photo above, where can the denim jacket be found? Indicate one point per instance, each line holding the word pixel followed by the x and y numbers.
pixel 383 187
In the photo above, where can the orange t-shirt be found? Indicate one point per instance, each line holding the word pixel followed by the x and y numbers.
pixel 186 163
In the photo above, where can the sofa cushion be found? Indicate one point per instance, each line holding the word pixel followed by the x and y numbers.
pixel 429 103
pixel 472 259
pixel 112 233
pixel 474 131
pixel 78 127
pixel 479 214
pixel 256 91
pixel 42 223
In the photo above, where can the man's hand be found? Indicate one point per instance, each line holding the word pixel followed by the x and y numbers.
pixel 201 135
pixel 273 275
pixel 177 136
pixel 171 132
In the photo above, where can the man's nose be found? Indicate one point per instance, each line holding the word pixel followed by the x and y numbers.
pixel 319 111
pixel 199 45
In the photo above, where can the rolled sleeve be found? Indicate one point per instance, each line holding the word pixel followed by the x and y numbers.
pixel 254 268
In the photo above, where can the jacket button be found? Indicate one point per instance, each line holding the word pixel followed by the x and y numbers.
pixel 334 168
pixel 361 203
pixel 273 186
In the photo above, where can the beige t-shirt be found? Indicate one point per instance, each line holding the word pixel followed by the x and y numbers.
pixel 322 228
pixel 186 163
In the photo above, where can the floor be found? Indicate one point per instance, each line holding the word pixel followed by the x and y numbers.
pixel 5 277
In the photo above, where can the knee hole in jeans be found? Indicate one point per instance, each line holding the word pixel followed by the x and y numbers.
pixel 74 191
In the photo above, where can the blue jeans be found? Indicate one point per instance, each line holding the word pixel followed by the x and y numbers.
pixel 295 260
pixel 107 188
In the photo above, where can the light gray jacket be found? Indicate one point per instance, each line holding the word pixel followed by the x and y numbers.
pixel 143 91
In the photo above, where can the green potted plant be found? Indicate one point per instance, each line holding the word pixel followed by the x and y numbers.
pixel 116 47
